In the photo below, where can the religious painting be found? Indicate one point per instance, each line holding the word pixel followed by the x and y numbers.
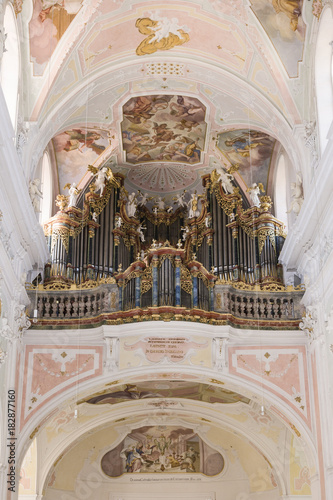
pixel 169 389
pixel 163 33
pixel 75 149
pixel 163 128
pixel 283 23
pixel 249 152
pixel 162 449
pixel 50 19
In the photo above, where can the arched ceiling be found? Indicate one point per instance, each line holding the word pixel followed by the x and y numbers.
pixel 228 66
pixel 96 426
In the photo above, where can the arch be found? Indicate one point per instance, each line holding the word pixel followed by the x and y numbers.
pixel 280 190
pixel 47 188
pixel 273 406
pixel 10 66
pixel 323 76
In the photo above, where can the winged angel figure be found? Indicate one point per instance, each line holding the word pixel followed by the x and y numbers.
pixel 163 34
pixel 102 176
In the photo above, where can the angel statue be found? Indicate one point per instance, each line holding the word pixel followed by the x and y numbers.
pixel 193 205
pixel 179 199
pixel 103 175
pixel 131 205
pixel 73 192
pixel 219 175
pixel 35 193
pixel 144 198
pixel 254 191
pixel 140 231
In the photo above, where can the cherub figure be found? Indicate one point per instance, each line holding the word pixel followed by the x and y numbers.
pixel 103 175
pixel 140 231
pixel 160 202
pixel 179 199
pixel 118 221
pixel 225 178
pixel 144 199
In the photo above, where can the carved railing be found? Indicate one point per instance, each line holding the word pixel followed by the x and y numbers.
pixel 264 304
pixel 240 305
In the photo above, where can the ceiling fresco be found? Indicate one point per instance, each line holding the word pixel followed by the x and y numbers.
pixel 50 19
pixel 75 149
pixel 163 128
pixel 250 151
pixel 162 448
pixel 282 20
pixel 171 389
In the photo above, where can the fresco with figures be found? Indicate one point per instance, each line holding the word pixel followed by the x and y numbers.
pixel 249 152
pixel 163 449
pixel 50 19
pixel 282 20
pixel 75 149
pixel 170 389
pixel 163 128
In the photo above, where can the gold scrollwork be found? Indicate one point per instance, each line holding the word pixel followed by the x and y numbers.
pixel 185 279
pixel 63 234
pixel 146 280
pixel 262 235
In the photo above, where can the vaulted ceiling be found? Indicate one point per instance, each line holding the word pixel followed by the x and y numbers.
pixel 165 92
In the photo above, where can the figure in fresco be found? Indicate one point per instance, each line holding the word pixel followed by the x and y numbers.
pixel 140 110
pixel 136 456
pixel 186 125
pixel 185 108
pixel 50 19
pixel 188 458
pixel 162 34
pixel 162 134
pixel 35 193
pixel 79 139
pixel 130 392
pixel 243 146
pixel 292 9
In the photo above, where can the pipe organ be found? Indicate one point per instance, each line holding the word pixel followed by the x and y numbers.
pixel 159 255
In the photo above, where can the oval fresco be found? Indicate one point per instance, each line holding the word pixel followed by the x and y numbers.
pixel 162 449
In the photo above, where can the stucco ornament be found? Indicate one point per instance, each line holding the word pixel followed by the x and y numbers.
pixel 163 34
pixel 309 322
